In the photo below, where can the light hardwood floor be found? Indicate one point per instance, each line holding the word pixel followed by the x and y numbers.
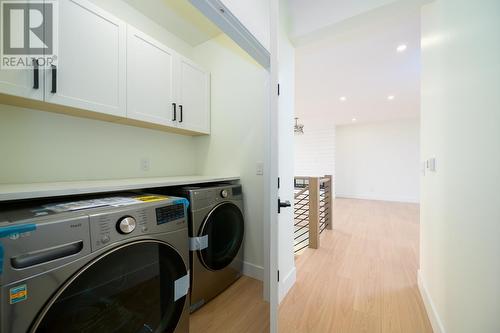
pixel 364 276
pixel 239 309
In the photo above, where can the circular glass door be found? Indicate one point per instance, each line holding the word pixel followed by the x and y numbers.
pixel 128 290
pixel 224 226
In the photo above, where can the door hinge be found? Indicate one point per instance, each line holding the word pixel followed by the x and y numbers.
pixel 278 182
pixel 279 89
pixel 278 276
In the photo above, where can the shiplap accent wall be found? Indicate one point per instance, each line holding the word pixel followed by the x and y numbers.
pixel 315 149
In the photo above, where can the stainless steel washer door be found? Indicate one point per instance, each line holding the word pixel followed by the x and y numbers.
pixel 130 289
pixel 225 227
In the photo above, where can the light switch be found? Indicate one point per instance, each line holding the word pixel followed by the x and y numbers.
pixel 432 164
pixel 260 168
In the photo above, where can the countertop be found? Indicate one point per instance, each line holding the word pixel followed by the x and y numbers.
pixel 10 192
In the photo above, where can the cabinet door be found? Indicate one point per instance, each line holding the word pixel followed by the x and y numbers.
pixel 194 97
pixel 149 80
pixel 22 82
pixel 91 67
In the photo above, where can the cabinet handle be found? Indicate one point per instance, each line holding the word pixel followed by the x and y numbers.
pixel 180 110
pixel 54 79
pixel 36 74
pixel 175 112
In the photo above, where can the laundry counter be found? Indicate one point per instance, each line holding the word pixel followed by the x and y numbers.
pixel 9 192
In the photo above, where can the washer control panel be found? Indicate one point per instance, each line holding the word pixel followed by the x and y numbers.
pixel 123 223
pixel 126 225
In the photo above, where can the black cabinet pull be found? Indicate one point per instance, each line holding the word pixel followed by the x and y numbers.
pixel 175 112
pixel 180 110
pixel 54 79
pixel 36 74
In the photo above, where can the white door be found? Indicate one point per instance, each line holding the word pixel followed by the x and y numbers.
pixel 193 97
pixel 286 111
pixel 273 170
pixel 26 83
pixel 281 160
pixel 150 85
pixel 91 70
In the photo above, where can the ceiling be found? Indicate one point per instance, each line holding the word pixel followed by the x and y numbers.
pixel 311 15
pixel 179 17
pixel 357 59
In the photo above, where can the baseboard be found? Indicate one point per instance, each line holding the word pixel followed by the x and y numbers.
pixel 287 283
pixel 377 198
pixel 253 271
pixel 437 324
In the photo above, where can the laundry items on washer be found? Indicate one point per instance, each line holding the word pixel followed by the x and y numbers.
pixel 111 264
pixel 216 232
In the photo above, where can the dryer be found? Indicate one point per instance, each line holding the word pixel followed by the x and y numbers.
pixel 216 231
pixel 116 264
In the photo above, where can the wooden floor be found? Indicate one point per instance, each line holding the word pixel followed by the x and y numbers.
pixel 362 279
pixel 364 276
pixel 239 309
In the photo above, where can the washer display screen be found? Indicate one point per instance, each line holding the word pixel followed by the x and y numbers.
pixel 169 213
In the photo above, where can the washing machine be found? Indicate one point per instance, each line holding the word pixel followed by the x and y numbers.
pixel 113 264
pixel 216 231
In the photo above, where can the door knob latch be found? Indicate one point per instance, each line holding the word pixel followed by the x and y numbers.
pixel 283 204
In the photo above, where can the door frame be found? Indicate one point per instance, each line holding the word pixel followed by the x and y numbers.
pixel 272 171
pixel 221 16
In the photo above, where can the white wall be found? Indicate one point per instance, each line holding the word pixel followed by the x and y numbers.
pixel 254 15
pixel 460 206
pixel 239 100
pixel 315 149
pixel 132 16
pixel 38 146
pixel 379 161
pixel 286 259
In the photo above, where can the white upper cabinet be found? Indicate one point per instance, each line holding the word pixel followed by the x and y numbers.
pixel 91 68
pixel 150 80
pixel 22 83
pixel 108 67
pixel 193 97
pixel 26 83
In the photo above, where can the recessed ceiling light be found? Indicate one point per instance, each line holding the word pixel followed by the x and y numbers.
pixel 343 99
pixel 390 97
pixel 402 48
pixel 354 120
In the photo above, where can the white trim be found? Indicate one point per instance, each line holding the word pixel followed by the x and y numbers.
pixel 287 283
pixel 377 198
pixel 253 271
pixel 437 324
pixel 219 14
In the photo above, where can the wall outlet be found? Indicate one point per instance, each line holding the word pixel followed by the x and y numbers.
pixel 260 169
pixel 430 164
pixel 145 164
